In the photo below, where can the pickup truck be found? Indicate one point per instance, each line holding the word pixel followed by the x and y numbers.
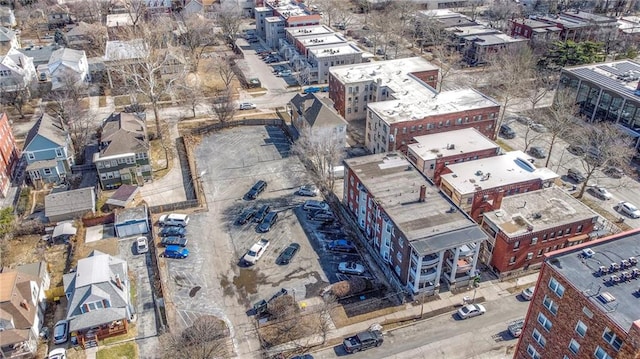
pixel 174 241
pixel 363 341
pixel 256 251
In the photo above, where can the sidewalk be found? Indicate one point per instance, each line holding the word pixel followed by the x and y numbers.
pixel 447 303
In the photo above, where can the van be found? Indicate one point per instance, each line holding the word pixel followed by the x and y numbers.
pixel 507 132
pixel 174 219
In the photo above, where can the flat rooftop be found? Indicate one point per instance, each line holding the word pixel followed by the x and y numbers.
pixel 125 50
pixel 462 31
pixel 286 9
pixel 335 50
pixel 431 225
pixel 511 168
pixel 540 210
pixel 534 24
pixel 115 20
pixel 567 22
pixel 493 39
pixel 619 76
pixel 322 39
pixel 385 70
pixel 308 30
pixel 582 273
pixel 450 143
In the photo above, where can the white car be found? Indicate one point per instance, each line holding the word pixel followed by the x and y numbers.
pixel 59 353
pixel 601 192
pixel 142 245
pixel 174 219
pixel 256 251
pixel 307 190
pixel 527 293
pixel 471 310
pixel 61 332
pixel 351 268
pixel 247 106
pixel 628 209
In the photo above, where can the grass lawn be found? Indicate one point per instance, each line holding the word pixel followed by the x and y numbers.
pixel 102 101
pixel 123 351
pixel 121 101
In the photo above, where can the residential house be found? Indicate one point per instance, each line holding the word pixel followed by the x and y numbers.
pixel 175 63
pixel 478 49
pixel 411 229
pixel 124 151
pixel 432 153
pixel 9 154
pixel 125 196
pixel 86 37
pixel 40 55
pixel 479 186
pixel 132 221
pixel 67 67
pixel 315 116
pixel 629 28
pixel 22 307
pixel 121 53
pixel 98 294
pixel 585 303
pixel 58 17
pixel 528 225
pixel 68 205
pixel 8 40
pixel 119 26
pixel 192 7
pixel 47 151
pixel 7 17
pixel 16 71
pixel 535 30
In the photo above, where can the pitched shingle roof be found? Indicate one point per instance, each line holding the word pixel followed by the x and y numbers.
pixel 82 199
pixel 6 34
pixel 49 128
pixel 317 111
pixel 69 58
pixel 123 133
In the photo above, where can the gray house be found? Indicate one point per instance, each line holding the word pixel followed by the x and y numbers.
pixel 99 298
pixel 124 152
pixel 131 221
pixel 47 151
pixel 67 205
pixel 317 115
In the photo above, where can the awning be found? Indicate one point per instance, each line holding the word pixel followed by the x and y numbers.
pixel 580 237
pixel 64 229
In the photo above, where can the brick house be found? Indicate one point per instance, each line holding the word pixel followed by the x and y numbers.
pixel 578 311
pixel 353 87
pixel 431 153
pixel 9 154
pixel 528 225
pixel 316 116
pixel 124 152
pixel 413 232
pixel 535 30
pixel 479 186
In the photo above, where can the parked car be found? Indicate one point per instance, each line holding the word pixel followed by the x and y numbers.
pixel 342 245
pixel 576 150
pixel 271 60
pixel 142 246
pixel 507 132
pixel 174 241
pixel 173 232
pixel 515 328
pixel 59 353
pixel 614 172
pixel 256 251
pixel 324 89
pixel 268 222
pixel 322 216
pixel 628 209
pixel 308 190
pixel 174 219
pixel 312 89
pixel 576 175
pixel 315 205
pixel 601 192
pixel 61 332
pixel 287 254
pixel 538 152
pixel 538 127
pixel 527 293
pixel 351 268
pixel 245 216
pixel 247 106
pixel 261 213
pixel 176 252
pixel 471 310
pixel 524 120
pixel 284 73
pixel 255 191
pixel 278 68
pixel 363 341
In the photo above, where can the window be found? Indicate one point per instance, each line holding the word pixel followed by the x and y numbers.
pixel 58 152
pixel 544 322
pixel 556 287
pixel 532 352
pixel 560 233
pixel 567 231
pixel 550 304
pixel 46 171
pixel 581 328
pixel 399 257
pixel 516 245
pixel 31 156
pixel 534 240
pixel 529 255
pixel 512 260
pixel 401 242
pixel 574 346
pixel 539 338
pixel 601 354
pixel 610 337
pixel 552 235
pixel 579 229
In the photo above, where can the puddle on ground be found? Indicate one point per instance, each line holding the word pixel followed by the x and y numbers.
pixel 227 289
pixel 194 291
pixel 247 281
pixel 180 280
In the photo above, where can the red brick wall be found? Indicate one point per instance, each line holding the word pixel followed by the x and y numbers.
pixel 430 77
pixel 336 94
pixel 570 310
pixel 9 153
pixel 440 167
pixel 493 199
pixel 518 29
pixel 486 126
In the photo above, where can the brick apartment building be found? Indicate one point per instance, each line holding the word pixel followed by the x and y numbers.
pixel 569 25
pixel 578 310
pixel 432 153
pixel 415 234
pixel 275 16
pixel 9 154
pixel 531 224
pixel 479 186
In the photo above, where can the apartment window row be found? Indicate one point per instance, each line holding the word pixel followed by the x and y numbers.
pixel 556 287
pixel 610 337
pixel 546 323
pixel 533 353
pixel 537 336
pixel 550 305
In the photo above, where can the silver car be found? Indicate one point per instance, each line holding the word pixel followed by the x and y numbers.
pixel 351 268
pixel 471 310
pixel 307 190
pixel 628 209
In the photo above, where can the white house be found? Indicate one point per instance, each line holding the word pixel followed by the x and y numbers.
pixel 16 71
pixel 67 66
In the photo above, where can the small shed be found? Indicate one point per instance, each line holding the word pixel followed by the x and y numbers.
pixel 125 196
pixel 68 205
pixel 131 221
pixel 63 231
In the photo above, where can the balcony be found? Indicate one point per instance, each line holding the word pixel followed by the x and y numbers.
pixel 430 260
pixel 467 250
pixel 428 275
pixel 463 265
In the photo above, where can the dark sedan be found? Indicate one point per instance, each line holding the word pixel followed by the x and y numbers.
pixel 245 216
pixel 173 231
pixel 287 255
pixel 268 222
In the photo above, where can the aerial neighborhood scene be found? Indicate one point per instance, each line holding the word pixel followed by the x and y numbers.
pixel 299 179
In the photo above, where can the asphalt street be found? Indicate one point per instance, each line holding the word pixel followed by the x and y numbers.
pixel 446 336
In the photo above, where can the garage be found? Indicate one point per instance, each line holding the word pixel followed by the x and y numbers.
pixel 131 221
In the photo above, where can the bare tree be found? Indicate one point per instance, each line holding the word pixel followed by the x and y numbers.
pixel 97 36
pixel 448 57
pixel 206 338
pixel 330 9
pixel 401 14
pixel 189 91
pixel 229 18
pixel 541 85
pixel 15 98
pixel 323 150
pixel 224 68
pixel 223 106
pixel 136 9
pixel 196 36
pixel 559 118
pixel 530 136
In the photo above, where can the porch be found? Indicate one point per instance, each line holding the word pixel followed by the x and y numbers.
pixel 88 338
